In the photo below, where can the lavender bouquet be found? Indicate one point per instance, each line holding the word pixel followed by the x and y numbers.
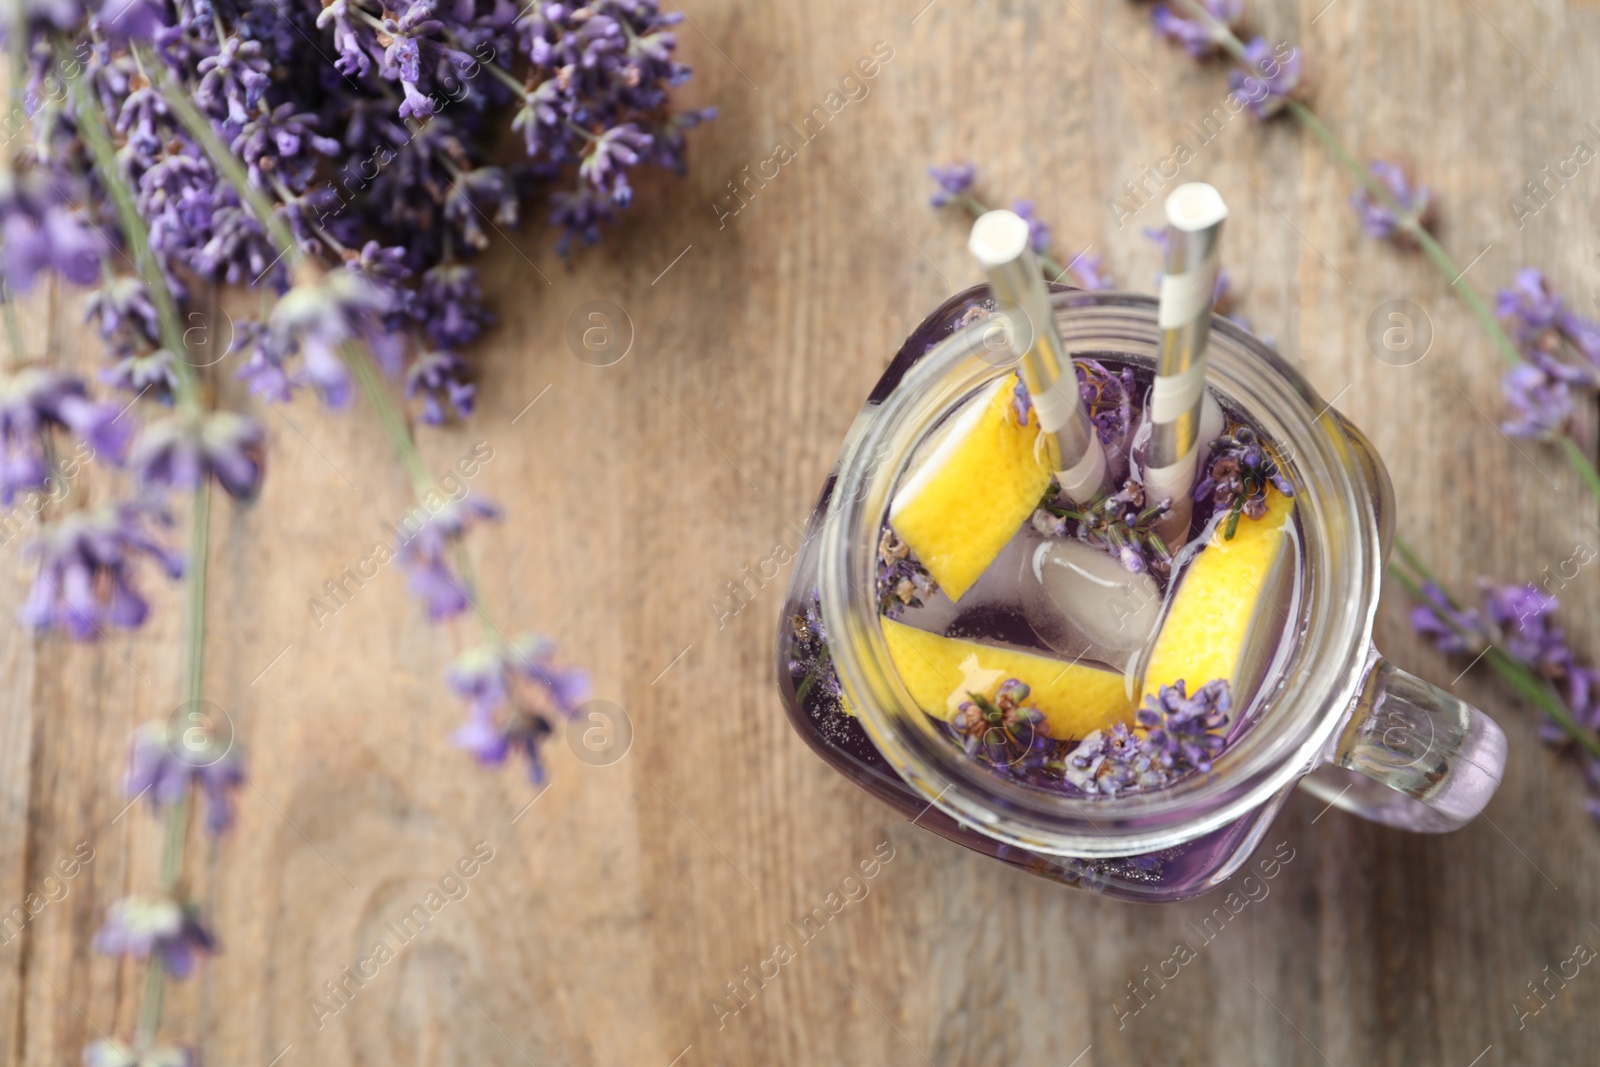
pixel 336 158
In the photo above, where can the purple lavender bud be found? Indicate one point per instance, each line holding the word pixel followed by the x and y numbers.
pixel 1195 36
pixel 47 237
pixel 954 182
pixel 1376 217
pixel 1265 93
pixel 163 772
pixel 1087 271
pixel 1524 616
pixel 426 542
pixel 317 318
pixel 86 565
pixel 123 21
pixel 512 691
pixel 122 302
pixel 1452 629
pixel 144 927
pixel 181 450
pixel 1528 307
pixel 440 378
pixel 1038 232
pixel 1540 399
pixel 32 402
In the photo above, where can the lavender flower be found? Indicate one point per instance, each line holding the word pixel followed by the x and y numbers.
pixel 1376 217
pixel 440 378
pixel 1194 35
pixel 39 232
pixel 1540 396
pixel 86 562
pixel 142 927
pixel 1176 735
pixel 1113 762
pixel 183 449
pixel 1107 398
pixel 319 315
pixel 1184 733
pixel 1452 629
pixel 1038 232
pixel 1121 523
pixel 163 767
pixel 902 580
pixel 810 661
pixel 1088 271
pixel 1003 730
pixel 122 303
pixel 127 20
pixel 32 401
pixel 1270 80
pixel 954 182
pixel 1540 321
pixel 109 1053
pixel 1240 470
pixel 1518 620
pixel 1529 309
pixel 423 549
pixel 511 693
pixel 1523 617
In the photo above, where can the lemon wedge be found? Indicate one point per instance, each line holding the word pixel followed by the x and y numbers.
pixel 940 671
pixel 1210 625
pixel 979 485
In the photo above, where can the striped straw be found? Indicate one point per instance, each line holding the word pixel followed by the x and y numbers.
pixel 1195 213
pixel 1000 242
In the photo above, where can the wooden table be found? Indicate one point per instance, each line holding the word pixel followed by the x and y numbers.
pixel 616 908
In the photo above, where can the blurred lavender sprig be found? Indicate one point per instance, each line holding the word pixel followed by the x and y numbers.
pixel 1391 207
pixel 1513 630
pixel 953 186
pixel 1562 353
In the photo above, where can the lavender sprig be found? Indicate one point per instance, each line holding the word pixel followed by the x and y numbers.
pixel 1441 617
pixel 954 186
pixel 1175 734
pixel 1411 224
pixel 1123 523
pixel 1239 472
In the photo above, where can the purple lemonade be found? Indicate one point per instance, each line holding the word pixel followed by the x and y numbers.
pixel 1090 650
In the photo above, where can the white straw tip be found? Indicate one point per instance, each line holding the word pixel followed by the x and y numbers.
pixel 1195 206
pixel 998 238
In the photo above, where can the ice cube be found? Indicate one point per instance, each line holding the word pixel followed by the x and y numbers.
pixel 1102 611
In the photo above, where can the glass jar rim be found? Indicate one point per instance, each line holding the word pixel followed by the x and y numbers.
pixel 1341 575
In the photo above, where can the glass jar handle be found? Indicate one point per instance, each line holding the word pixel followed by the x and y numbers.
pixel 1422 759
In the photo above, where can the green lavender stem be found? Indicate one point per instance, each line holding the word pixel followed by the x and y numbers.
pixel 405 447
pixel 1409 222
pixel 97 138
pixel 1526 682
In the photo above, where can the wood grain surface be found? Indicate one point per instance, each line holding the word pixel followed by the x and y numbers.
pixel 616 908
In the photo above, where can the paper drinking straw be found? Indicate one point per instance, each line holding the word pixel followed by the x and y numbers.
pixel 1000 241
pixel 1195 213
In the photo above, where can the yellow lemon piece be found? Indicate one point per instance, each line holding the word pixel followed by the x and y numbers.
pixel 979 485
pixel 1208 628
pixel 940 671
